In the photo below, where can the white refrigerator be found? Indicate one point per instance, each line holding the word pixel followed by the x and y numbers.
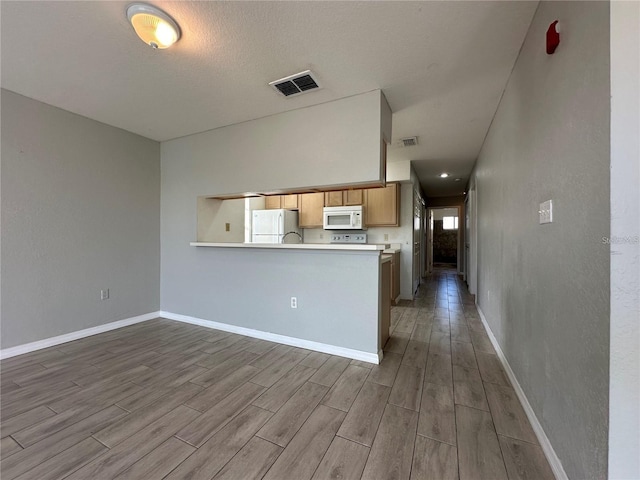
pixel 269 226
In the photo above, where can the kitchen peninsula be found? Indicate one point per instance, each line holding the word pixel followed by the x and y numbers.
pixel 341 294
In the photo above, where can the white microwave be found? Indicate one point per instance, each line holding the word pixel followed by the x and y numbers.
pixel 343 218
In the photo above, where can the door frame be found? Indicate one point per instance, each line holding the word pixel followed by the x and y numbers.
pixel 459 256
pixel 472 276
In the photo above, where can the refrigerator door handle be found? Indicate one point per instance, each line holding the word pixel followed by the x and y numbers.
pixel 280 226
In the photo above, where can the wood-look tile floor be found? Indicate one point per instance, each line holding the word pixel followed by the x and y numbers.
pixel 168 400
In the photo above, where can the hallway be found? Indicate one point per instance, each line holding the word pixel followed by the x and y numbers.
pixel 467 405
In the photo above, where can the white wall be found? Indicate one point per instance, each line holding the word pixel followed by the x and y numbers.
pixel 333 143
pixel 399 171
pixel 544 289
pixel 624 367
pixel 440 213
pixel 80 213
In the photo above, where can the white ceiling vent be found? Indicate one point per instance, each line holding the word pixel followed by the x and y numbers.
pixel 407 142
pixel 297 84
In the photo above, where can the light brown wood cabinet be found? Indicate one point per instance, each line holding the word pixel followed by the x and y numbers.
pixel 290 202
pixel 343 198
pixel 352 197
pixel 382 206
pixel 272 202
pixel 310 206
pixel 333 199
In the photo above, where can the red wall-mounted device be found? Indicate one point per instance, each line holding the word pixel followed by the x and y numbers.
pixel 553 37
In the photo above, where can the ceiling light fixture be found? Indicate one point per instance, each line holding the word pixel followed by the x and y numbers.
pixel 153 26
pixel 444 175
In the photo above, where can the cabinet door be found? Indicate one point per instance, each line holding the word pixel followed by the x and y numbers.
pixel 310 205
pixel 333 199
pixel 382 206
pixel 290 202
pixel 352 197
pixel 272 201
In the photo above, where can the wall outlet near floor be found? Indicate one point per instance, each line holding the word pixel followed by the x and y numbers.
pixel 546 212
pixel 104 294
pixel 294 302
pixel 227 227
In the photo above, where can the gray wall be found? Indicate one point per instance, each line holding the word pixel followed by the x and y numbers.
pixel 337 292
pixel 80 213
pixel 252 288
pixel 328 144
pixel 544 289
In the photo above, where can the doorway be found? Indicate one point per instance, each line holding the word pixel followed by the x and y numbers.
pixel 444 238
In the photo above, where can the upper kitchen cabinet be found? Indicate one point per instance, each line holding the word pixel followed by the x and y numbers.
pixel 352 197
pixel 272 202
pixel 382 206
pixel 289 202
pixel 333 199
pixel 343 198
pixel 310 207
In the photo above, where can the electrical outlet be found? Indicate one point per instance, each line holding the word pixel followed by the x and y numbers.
pixel 294 302
pixel 386 237
pixel 321 236
pixel 104 294
pixel 227 227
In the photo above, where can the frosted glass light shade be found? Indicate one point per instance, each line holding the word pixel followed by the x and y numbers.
pixel 153 26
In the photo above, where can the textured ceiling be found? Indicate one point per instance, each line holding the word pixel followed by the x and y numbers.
pixel 441 65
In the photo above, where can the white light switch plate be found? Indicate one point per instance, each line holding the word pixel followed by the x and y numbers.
pixel 546 212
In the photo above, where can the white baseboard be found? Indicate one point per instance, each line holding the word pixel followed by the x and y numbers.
pixel 68 337
pixel 274 337
pixel 545 444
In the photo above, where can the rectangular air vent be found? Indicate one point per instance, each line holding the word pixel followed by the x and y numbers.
pixel 409 142
pixel 297 84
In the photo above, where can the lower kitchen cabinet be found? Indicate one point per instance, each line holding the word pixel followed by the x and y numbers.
pixel 382 206
pixel 395 277
pixel 310 206
pixel 385 303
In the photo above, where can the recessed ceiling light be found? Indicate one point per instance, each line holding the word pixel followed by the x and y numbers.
pixel 444 175
pixel 153 26
pixel 457 179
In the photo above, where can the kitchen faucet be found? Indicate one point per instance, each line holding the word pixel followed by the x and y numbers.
pixel 283 236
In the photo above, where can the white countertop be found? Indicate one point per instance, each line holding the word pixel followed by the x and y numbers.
pixel 297 246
